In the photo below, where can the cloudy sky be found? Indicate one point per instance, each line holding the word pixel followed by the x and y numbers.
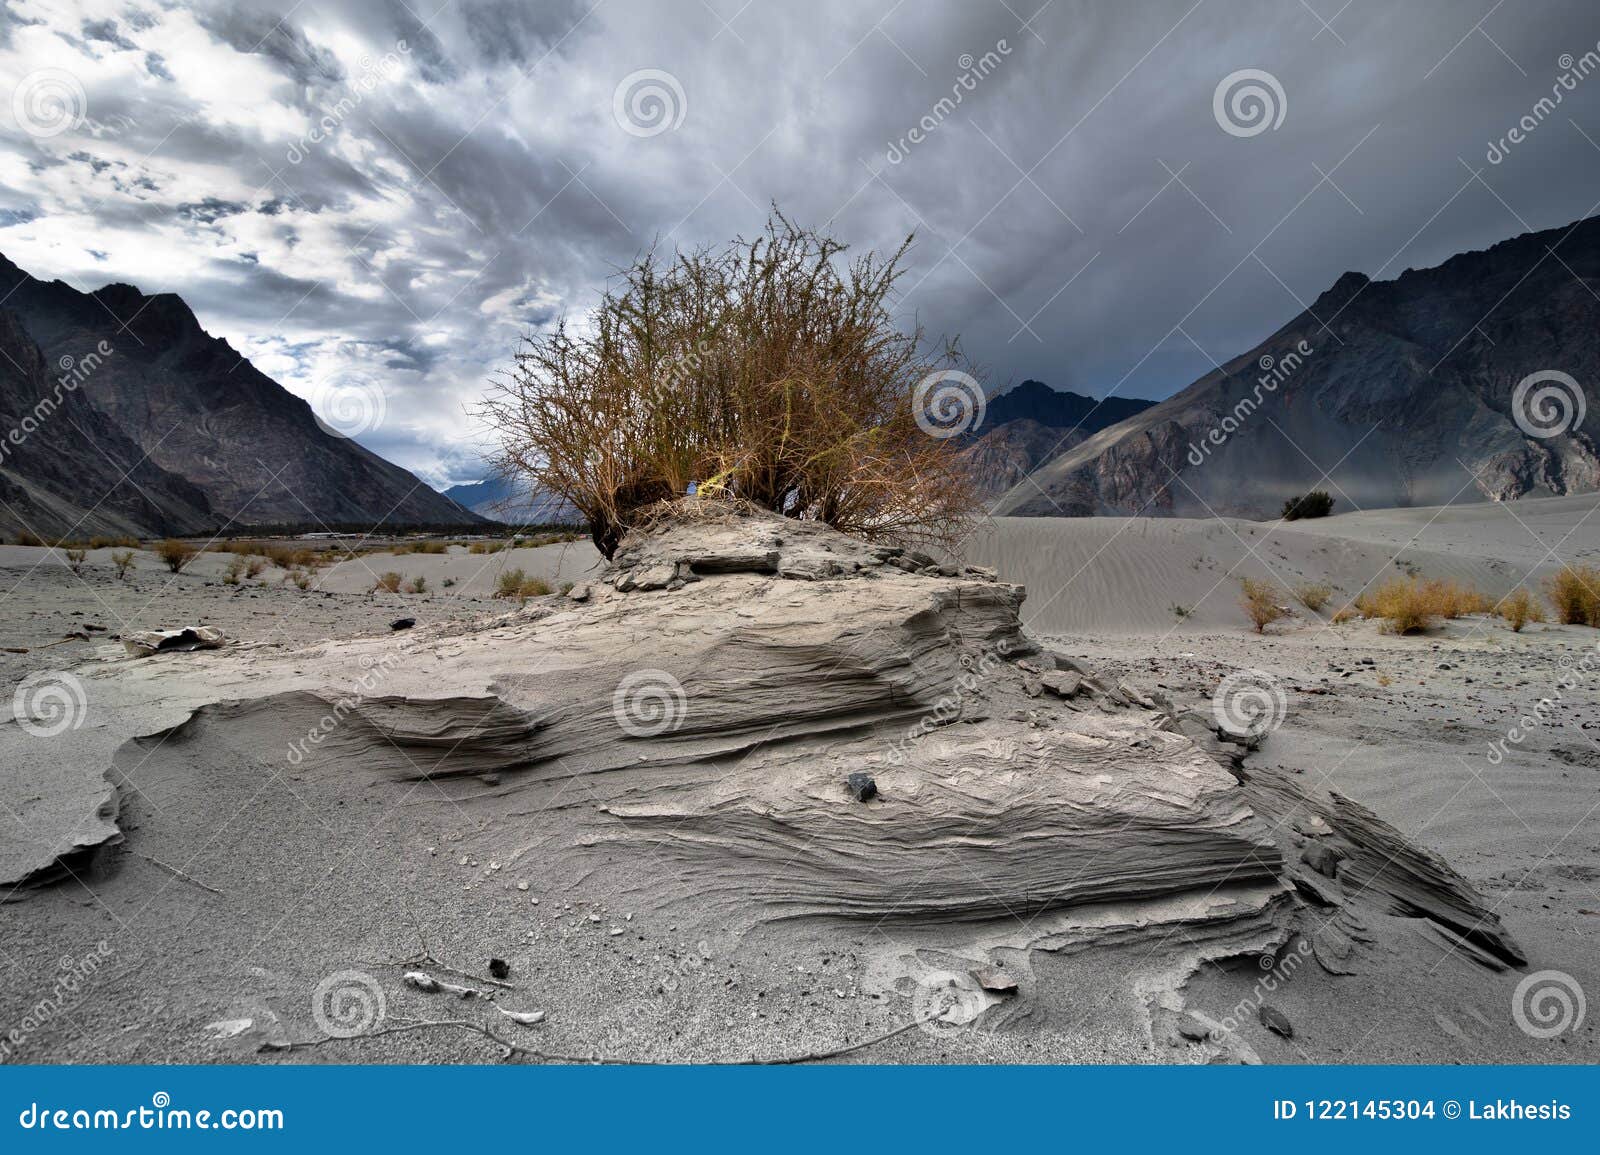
pixel 1107 194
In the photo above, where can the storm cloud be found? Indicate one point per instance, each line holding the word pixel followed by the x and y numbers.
pixel 1105 196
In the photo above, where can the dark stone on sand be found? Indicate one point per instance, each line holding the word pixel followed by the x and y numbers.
pixel 1192 1029
pixel 402 623
pixel 995 979
pixel 862 787
pixel 1322 859
pixel 499 968
pixel 1276 1021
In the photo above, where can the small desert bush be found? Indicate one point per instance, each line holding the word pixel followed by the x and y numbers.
pixel 175 554
pixel 417 585
pixel 1574 594
pixel 28 537
pixel 75 559
pixel 1317 503
pixel 1519 607
pixel 253 566
pixel 1412 604
pixel 123 560
pixel 1452 599
pixel 301 579
pixel 771 369
pixel 1345 613
pixel 235 571
pixel 1260 602
pixel 103 542
pixel 292 557
pixel 389 581
pixel 486 547
pixel 514 583
pixel 1314 595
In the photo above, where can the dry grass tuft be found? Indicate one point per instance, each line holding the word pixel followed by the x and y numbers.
pixel 515 583
pixel 1575 595
pixel 176 554
pixel 1314 595
pixel 389 581
pixel 1410 605
pixel 1519 607
pixel 1260 602
pixel 123 560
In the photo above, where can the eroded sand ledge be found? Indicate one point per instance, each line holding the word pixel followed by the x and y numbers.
pixel 678 743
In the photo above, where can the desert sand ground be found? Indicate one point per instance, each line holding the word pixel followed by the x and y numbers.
pixel 1414 727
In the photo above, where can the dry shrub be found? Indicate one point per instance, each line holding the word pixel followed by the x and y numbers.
pixel 1519 607
pixel 389 581
pixel 421 547
pixel 253 566
pixel 28 537
pixel 417 585
pixel 770 370
pixel 1574 594
pixel 102 541
pixel 123 560
pixel 75 559
pixel 1409 605
pixel 1260 602
pixel 290 557
pixel 515 583
pixel 1314 595
pixel 235 570
pixel 1345 613
pixel 175 554
pixel 486 547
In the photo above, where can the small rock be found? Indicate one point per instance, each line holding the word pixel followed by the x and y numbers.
pixel 994 979
pixel 402 623
pixel 499 968
pixel 524 886
pixel 1192 1029
pixel 1276 1021
pixel 228 1028
pixel 1321 858
pixel 862 787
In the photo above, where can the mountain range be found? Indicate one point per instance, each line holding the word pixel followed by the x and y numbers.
pixel 123 415
pixel 1456 383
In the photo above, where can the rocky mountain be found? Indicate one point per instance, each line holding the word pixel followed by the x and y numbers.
pixel 1456 383
pixel 200 410
pixel 1032 423
pixel 65 467
pixel 507 501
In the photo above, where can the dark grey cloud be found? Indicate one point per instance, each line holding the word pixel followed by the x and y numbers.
pixel 398 190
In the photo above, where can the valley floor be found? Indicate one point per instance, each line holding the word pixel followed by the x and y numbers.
pixel 1429 731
